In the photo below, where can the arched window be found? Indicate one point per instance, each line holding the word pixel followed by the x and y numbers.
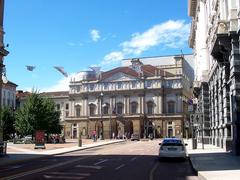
pixel 78 110
pixel 150 107
pixel 119 108
pixel 105 108
pixel 92 109
pixel 133 107
pixel 171 107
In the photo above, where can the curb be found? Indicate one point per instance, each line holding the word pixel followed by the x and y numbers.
pixel 42 156
pixel 200 176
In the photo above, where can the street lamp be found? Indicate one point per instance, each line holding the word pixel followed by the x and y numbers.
pixel 101 103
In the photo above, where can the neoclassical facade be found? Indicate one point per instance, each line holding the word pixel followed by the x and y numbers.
pixel 137 98
pixel 215 40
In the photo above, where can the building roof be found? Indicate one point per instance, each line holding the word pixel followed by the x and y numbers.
pixel 55 93
pixel 146 70
pixel 20 94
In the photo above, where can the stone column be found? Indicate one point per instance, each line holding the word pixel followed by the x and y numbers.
pixel 139 104
pixel 160 104
pixel 86 108
pixel 125 104
pixel 235 92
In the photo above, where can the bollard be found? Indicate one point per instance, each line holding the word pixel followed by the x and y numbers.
pixel 80 139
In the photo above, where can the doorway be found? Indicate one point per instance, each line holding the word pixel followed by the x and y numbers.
pixel 170 132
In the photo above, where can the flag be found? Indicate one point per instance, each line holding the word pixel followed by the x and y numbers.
pixel 61 70
pixel 30 68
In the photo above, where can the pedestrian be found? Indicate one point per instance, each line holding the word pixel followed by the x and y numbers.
pixel 113 135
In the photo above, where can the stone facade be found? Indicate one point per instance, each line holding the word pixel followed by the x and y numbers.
pixel 219 20
pixel 139 98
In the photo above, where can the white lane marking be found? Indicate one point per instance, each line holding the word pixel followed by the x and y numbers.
pixel 133 159
pixel 69 173
pixel 62 177
pixel 100 162
pixel 117 168
pixel 152 171
pixel 13 167
pixel 44 168
pixel 91 167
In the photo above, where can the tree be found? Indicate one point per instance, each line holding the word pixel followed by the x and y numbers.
pixel 37 113
pixel 7 120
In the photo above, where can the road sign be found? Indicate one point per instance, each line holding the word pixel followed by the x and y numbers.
pixel 196 118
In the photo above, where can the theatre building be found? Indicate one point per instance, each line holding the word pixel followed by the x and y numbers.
pixel 141 97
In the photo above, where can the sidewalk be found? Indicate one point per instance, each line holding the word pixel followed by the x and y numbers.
pixel 22 152
pixel 213 163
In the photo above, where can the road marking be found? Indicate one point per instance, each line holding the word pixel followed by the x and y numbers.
pixel 43 169
pixel 69 173
pixel 152 171
pixel 91 167
pixel 13 167
pixel 133 159
pixel 62 177
pixel 101 162
pixel 120 167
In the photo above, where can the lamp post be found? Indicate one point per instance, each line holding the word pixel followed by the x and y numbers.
pixel 101 103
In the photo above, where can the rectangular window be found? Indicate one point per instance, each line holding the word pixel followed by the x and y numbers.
pixel 119 85
pixel 58 107
pixel 67 106
pixel 105 86
pixel 134 84
pixel 78 111
pixel 91 87
pixel 67 113
pixel 171 107
pixel 149 83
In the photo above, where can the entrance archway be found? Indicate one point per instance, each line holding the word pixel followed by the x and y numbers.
pixel 128 128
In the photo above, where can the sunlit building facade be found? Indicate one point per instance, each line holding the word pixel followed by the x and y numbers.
pixel 134 98
pixel 214 38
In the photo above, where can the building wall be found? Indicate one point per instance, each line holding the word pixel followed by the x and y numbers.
pixel 9 95
pixel 220 21
pixel 159 90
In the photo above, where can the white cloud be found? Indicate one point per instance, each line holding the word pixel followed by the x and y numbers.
pixel 71 44
pixel 113 57
pixel 61 85
pixel 95 35
pixel 170 34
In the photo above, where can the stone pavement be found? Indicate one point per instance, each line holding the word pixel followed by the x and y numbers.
pixel 213 163
pixel 22 152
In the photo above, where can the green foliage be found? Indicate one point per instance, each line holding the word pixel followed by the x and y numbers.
pixel 37 113
pixel 6 122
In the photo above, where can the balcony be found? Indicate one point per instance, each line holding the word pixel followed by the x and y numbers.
pixel 221 43
pixel 196 87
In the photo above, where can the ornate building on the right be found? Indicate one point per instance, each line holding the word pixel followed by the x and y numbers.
pixel 214 38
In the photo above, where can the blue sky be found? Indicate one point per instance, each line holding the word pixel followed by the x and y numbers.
pixel 77 34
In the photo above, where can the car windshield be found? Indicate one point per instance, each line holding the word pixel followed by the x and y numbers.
pixel 172 142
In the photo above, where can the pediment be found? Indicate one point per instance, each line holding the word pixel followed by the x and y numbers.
pixel 120 77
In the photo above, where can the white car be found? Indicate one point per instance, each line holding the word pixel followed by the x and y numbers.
pixel 172 148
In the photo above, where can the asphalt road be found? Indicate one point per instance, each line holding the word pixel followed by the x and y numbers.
pixel 124 161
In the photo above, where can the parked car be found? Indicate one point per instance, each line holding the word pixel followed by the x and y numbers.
pixel 135 137
pixel 150 136
pixel 27 139
pixel 172 148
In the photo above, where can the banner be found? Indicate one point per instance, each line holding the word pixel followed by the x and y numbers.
pixel 39 139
